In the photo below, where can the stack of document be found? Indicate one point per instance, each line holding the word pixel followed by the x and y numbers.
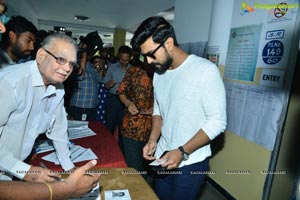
pixel 76 129
pixel 79 129
pixel 43 146
pixel 75 123
pixel 78 154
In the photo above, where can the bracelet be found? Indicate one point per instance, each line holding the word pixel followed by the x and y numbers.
pixel 50 190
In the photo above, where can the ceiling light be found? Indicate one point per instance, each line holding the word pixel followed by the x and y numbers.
pixel 81 18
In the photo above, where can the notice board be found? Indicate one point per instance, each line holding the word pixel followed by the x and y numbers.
pixel 256 53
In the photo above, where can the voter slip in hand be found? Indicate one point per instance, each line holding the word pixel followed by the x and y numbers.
pixel 156 164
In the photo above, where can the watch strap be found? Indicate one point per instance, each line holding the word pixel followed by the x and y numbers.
pixel 182 150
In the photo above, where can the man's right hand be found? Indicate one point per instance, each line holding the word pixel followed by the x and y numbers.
pixel 81 181
pixel 39 174
pixel 149 149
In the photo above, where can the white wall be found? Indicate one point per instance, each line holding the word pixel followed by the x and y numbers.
pixel 220 23
pixel 24 10
pixel 192 20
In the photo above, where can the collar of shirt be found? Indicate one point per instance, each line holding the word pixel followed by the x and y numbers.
pixel 8 60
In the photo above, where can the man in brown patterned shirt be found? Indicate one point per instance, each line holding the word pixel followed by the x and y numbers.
pixel 136 92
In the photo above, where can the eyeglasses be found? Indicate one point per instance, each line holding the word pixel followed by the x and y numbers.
pixel 151 53
pixel 62 61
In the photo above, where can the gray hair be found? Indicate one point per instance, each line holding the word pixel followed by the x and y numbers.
pixel 50 40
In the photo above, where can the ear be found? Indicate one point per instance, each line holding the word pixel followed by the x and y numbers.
pixel 12 36
pixel 169 44
pixel 40 55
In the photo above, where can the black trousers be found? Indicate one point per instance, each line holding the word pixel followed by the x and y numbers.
pixel 114 113
pixel 82 114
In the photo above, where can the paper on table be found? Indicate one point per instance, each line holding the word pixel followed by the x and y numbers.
pixel 79 129
pixel 74 124
pixel 117 194
pixel 44 146
pixel 78 154
pixel 80 132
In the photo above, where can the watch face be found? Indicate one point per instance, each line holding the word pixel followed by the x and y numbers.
pixel 185 156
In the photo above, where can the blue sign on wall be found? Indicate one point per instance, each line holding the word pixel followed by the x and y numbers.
pixel 272 52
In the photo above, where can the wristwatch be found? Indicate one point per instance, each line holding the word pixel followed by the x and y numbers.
pixel 185 155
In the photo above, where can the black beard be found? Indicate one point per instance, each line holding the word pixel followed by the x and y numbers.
pixel 162 68
pixel 20 55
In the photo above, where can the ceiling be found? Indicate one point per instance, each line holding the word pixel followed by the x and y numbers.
pixel 105 15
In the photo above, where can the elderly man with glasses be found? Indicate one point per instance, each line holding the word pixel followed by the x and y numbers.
pixel 32 104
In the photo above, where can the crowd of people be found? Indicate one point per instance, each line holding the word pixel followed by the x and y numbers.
pixel 153 95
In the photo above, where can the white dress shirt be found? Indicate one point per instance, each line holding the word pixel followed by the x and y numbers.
pixel 29 108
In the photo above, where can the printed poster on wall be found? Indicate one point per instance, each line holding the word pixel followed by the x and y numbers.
pixel 242 52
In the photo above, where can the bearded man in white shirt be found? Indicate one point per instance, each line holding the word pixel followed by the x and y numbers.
pixel 189 110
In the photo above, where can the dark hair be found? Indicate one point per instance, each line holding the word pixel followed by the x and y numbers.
pixel 93 42
pixel 124 49
pixel 157 27
pixel 18 25
pixel 95 57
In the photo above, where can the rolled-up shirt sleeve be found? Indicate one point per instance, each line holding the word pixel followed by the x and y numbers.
pixel 214 103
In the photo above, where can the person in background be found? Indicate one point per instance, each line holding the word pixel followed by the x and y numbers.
pixel 75 185
pixel 3 18
pixel 2 27
pixel 32 93
pixel 136 93
pixel 99 62
pixel 17 41
pixel 111 58
pixel 114 108
pixel 84 97
pixel 39 37
pixel 189 110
